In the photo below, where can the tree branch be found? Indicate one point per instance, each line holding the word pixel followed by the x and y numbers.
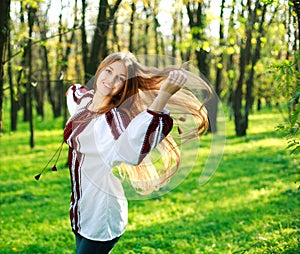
pixel 38 41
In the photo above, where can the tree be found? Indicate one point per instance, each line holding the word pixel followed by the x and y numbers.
pixel 241 118
pixel 220 58
pixel 234 60
pixel 13 92
pixel 42 23
pixel 63 52
pixel 4 30
pixel 197 22
pixel 196 14
pixel 213 103
pixel 131 25
pixel 296 7
pixel 99 42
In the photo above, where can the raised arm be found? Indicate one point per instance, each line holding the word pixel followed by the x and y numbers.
pixel 171 85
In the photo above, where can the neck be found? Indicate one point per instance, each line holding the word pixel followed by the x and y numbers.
pixel 99 102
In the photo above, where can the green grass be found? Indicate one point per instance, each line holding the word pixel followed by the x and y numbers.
pixel 250 205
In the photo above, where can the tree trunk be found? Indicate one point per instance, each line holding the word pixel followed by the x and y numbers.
pixel 147 9
pixel 99 49
pixel 31 13
pixel 184 54
pixel 42 86
pixel 174 40
pixel 48 77
pixel 231 70
pixel 64 67
pixel 258 104
pixel 131 25
pixel 115 36
pixel 4 30
pixel 296 45
pixel 196 20
pixel 255 58
pixel 13 95
pixel 296 8
pixel 99 42
pixel 84 44
pixel 241 119
pixel 213 103
pixel 156 24
pixel 22 72
pixel 220 57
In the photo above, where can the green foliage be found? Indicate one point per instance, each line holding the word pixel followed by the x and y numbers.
pixel 268 1
pixel 288 82
pixel 251 204
pixel 31 4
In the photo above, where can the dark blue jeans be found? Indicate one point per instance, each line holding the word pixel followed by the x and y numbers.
pixel 86 246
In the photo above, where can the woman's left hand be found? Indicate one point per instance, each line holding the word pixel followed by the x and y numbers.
pixel 171 85
pixel 174 82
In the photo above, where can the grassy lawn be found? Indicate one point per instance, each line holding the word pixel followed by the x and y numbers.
pixel 250 205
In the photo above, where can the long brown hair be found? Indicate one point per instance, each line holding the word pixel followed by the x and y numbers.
pixel 140 88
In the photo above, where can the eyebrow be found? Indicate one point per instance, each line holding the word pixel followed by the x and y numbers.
pixel 124 75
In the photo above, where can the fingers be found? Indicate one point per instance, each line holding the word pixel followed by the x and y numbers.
pixel 174 82
pixel 177 77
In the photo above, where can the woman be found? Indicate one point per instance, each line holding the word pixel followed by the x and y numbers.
pixel 116 125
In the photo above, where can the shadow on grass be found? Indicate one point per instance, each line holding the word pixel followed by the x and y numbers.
pixel 250 205
pixel 238 228
pixel 254 137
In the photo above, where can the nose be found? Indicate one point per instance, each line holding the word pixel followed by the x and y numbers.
pixel 111 80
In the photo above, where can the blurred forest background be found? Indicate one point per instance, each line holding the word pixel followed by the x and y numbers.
pixel 249 52
pixel 247 49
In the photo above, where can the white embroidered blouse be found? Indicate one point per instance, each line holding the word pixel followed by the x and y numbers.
pixel 98 143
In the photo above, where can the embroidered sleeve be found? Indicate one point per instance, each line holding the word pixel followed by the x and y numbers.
pixel 74 96
pixel 141 136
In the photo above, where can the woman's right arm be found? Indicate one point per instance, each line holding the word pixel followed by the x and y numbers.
pixel 74 95
pixel 140 137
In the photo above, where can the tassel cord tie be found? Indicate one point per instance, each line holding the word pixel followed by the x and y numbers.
pixel 58 151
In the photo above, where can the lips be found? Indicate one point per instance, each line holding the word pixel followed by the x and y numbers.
pixel 108 86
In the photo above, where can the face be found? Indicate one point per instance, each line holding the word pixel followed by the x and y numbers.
pixel 111 79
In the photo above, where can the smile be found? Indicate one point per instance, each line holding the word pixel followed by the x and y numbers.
pixel 108 86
